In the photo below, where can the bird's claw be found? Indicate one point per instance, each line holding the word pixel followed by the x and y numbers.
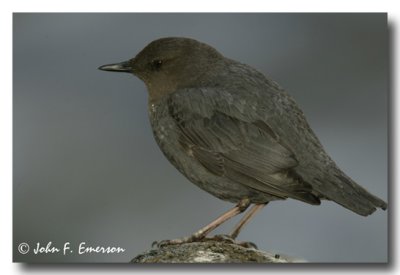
pixel 247 245
pixel 163 243
pixel 230 239
pixel 223 238
pixel 218 238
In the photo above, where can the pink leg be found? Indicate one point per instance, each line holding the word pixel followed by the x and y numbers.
pixel 200 234
pixel 256 208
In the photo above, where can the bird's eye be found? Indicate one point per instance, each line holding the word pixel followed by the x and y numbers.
pixel 156 64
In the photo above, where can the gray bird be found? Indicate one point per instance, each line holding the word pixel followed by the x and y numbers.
pixel 235 133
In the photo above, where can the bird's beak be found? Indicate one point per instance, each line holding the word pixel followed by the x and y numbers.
pixel 124 67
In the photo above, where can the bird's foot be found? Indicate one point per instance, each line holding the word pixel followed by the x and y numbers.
pixel 223 238
pixel 248 245
pixel 163 243
pixel 195 238
pixel 230 239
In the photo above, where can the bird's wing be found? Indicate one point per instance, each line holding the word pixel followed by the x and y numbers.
pixel 244 150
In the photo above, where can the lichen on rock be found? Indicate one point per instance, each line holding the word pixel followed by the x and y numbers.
pixel 209 251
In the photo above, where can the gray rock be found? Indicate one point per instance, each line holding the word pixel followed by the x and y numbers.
pixel 210 251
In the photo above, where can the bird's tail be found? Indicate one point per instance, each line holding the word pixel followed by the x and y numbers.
pixel 354 197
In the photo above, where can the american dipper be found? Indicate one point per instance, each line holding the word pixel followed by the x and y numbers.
pixel 235 133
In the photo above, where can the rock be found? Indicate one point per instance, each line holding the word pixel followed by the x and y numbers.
pixel 210 251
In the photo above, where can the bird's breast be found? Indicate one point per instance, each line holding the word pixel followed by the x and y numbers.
pixel 166 134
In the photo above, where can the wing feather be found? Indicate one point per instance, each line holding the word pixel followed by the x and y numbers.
pixel 246 152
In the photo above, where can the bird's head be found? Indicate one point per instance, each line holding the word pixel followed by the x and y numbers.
pixel 169 63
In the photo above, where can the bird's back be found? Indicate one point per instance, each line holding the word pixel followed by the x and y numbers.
pixel 314 165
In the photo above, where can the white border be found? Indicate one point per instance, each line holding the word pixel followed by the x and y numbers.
pixel 8 7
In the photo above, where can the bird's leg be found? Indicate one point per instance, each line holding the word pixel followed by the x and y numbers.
pixel 201 233
pixel 239 208
pixel 235 232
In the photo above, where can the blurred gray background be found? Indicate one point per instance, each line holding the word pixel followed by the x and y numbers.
pixel 86 166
